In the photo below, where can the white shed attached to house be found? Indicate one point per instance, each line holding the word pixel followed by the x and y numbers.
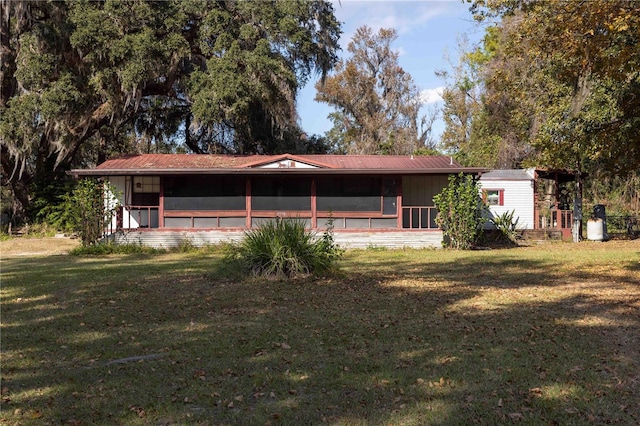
pixel 510 190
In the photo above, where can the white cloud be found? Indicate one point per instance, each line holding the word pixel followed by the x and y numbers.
pixel 431 96
pixel 403 16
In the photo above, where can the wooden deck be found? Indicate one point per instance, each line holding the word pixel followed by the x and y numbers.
pixel 345 239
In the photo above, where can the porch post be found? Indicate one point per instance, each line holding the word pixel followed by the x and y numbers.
pixel 247 222
pixel 536 207
pixel 160 205
pixel 399 203
pixel 314 211
pixel 576 230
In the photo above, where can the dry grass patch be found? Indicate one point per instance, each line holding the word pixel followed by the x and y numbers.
pixel 540 335
pixel 36 246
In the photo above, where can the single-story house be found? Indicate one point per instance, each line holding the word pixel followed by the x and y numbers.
pixel 539 198
pixel 370 200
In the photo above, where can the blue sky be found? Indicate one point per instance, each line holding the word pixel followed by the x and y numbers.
pixel 428 33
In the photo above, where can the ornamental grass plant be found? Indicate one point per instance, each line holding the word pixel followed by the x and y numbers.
pixel 284 248
pixel 506 226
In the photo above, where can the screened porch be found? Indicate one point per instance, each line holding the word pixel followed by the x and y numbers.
pixel 241 202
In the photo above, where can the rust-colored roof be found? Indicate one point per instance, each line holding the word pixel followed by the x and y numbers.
pixel 173 161
pixel 385 161
pixel 205 163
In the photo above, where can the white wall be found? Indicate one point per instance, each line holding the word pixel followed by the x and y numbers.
pixel 123 195
pixel 518 196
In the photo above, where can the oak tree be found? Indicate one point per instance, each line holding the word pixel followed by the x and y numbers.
pixel 84 79
pixel 377 103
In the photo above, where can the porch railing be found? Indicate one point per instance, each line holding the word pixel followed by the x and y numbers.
pixel 419 217
pixel 556 219
pixel 130 217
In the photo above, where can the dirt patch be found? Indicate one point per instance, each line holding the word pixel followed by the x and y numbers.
pixel 16 247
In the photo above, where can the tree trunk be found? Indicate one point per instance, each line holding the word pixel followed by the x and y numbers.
pixel 19 188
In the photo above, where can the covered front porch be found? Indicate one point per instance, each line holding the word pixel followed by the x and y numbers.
pixel 370 200
pixel 352 203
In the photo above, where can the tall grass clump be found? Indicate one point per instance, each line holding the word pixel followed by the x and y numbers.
pixel 283 248
pixel 507 226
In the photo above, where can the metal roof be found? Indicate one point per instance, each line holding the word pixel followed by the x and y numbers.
pixel 561 175
pixel 508 174
pixel 237 164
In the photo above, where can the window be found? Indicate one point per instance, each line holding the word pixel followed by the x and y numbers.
pixel 389 199
pixel 146 191
pixel 493 197
pixel 146 184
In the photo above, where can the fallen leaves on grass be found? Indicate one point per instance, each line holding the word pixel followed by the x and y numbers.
pixel 400 331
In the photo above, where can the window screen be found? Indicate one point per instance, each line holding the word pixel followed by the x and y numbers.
pixel 280 193
pixel 146 191
pixel 353 194
pixel 205 193
pixel 389 200
pixel 145 199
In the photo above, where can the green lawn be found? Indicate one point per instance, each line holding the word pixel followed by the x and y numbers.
pixel 538 335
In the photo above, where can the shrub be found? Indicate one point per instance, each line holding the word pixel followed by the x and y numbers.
pixel 460 212
pixel 96 205
pixel 37 230
pixel 506 225
pixel 61 213
pixel 283 248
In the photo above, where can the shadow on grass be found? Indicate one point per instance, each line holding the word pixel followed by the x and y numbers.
pixel 421 337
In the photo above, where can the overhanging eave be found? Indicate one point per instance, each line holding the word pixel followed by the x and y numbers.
pixel 271 171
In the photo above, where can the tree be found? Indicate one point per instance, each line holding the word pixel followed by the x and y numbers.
pixel 377 103
pixel 460 212
pixel 82 79
pixel 463 109
pixel 564 78
pixel 483 125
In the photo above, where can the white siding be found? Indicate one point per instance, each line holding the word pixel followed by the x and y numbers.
pixel 122 187
pixel 518 196
pixel 119 186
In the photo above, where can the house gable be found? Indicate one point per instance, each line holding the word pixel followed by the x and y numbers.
pixel 287 161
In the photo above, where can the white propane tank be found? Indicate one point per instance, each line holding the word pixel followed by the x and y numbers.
pixel 595 230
